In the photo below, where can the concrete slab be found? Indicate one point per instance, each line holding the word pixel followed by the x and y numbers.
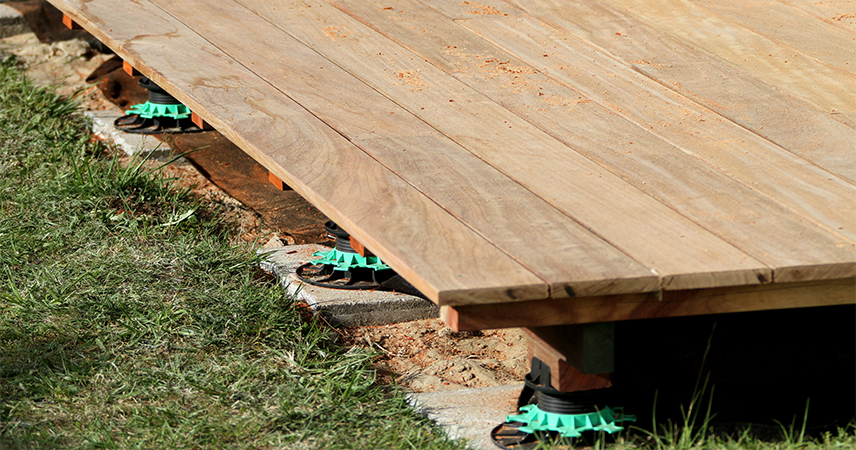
pixel 343 307
pixel 130 143
pixel 12 22
pixel 469 414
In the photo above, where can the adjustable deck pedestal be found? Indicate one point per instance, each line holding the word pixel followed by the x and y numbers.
pixel 571 370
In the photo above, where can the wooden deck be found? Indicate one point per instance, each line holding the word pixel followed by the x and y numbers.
pixel 541 162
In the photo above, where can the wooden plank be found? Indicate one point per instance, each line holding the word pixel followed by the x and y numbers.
pixel 594 197
pixel 792 182
pixel 651 305
pixel 837 12
pixel 792 27
pixel 795 248
pixel 784 120
pixel 549 243
pixel 306 153
pixel 826 88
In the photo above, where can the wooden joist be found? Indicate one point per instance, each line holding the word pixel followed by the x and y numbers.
pixel 580 357
pixel 542 162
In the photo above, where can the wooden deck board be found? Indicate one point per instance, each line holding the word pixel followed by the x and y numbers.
pixel 592 196
pixel 827 88
pixel 745 157
pixel 421 131
pixel 735 95
pixel 643 306
pixel 838 12
pixel 752 223
pixel 787 25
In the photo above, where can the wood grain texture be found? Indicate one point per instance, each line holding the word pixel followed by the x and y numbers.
pixel 568 256
pixel 838 12
pixel 791 27
pixel 767 169
pixel 791 245
pixel 651 305
pixel 543 165
pixel 735 95
pixel 826 88
pixel 303 151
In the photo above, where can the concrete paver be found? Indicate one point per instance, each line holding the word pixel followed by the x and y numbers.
pixel 469 414
pixel 130 143
pixel 12 22
pixel 343 307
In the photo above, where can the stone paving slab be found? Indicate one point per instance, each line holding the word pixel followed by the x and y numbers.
pixel 343 307
pixel 469 414
pixel 12 22
pixel 130 143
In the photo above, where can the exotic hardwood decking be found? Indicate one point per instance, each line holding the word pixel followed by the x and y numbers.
pixel 540 162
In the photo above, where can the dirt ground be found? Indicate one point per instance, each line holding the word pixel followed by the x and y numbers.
pixel 422 356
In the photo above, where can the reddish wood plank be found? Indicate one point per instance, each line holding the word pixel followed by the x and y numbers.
pixel 548 168
pixel 651 305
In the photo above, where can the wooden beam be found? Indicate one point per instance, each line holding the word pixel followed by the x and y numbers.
pixel 610 308
pixel 569 350
pixel 590 348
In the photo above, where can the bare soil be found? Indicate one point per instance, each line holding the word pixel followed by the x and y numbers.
pixel 421 356
pixel 426 355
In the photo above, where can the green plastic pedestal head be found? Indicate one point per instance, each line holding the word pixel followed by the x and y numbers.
pixel 149 110
pixel 347 261
pixel 569 425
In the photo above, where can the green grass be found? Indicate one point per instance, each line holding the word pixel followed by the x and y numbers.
pixel 129 318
